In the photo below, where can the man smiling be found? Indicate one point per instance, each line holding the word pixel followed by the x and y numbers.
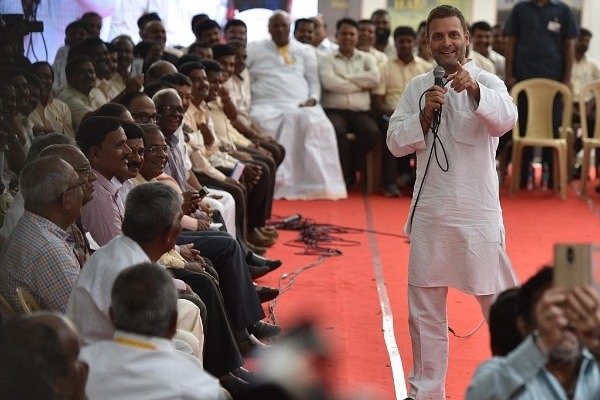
pixel 104 143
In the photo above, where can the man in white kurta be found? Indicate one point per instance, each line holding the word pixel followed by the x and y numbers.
pixel 285 94
pixel 455 220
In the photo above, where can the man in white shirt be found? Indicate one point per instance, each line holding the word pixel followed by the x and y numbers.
pixel 347 76
pixel 140 361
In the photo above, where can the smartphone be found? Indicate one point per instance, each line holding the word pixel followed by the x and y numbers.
pixel 137 66
pixel 576 264
pixel 202 193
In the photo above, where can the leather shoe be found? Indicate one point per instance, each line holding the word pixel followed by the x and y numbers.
pixel 258 239
pixel 266 293
pixel 245 375
pixel 255 259
pixel 264 330
pixel 250 345
pixel 269 231
pixel 233 384
pixel 256 249
pixel 256 271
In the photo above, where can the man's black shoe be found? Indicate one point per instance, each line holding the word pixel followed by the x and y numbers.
pixel 256 260
pixel 257 272
pixel 249 345
pixel 233 384
pixel 264 330
pixel 245 375
pixel 266 293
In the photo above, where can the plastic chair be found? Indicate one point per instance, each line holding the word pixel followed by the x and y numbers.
pixel 589 143
pixel 28 303
pixel 6 308
pixel 540 95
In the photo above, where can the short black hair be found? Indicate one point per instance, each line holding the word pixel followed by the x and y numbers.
pixel 132 130
pixel 303 21
pixel 145 18
pixel 190 66
pixel 189 57
pixel 77 24
pixel 74 63
pixel 583 32
pixel 234 22
pixel 404 30
pixel 84 48
pixel 222 50
pixel 176 79
pixel 94 130
pixel 205 26
pixel 531 291
pixel 481 25
pixel 347 21
pixel 212 66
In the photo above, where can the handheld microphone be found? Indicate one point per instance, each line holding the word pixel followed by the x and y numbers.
pixel 438 73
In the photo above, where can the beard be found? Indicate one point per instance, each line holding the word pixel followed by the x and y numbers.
pixel 382 35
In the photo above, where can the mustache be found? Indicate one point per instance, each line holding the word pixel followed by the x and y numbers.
pixel 134 164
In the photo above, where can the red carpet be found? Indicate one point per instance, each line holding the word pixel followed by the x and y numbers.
pixel 341 296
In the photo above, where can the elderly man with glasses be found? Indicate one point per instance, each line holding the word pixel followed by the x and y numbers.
pixel 39 254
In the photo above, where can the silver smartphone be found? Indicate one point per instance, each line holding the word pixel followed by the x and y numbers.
pixel 137 66
pixel 576 264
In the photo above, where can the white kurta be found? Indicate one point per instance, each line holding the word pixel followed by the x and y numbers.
pixel 147 368
pixel 457 234
pixel 311 168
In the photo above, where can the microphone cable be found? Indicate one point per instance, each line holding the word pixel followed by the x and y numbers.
pixel 434 127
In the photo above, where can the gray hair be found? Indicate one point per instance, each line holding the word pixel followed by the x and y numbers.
pixel 162 94
pixel 143 300
pixel 150 209
pixel 43 180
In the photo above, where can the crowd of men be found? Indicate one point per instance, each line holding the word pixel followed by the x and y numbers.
pixel 122 153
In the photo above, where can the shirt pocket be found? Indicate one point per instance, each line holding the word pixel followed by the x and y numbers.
pixel 465 127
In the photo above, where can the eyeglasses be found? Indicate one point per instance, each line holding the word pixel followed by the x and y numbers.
pixel 84 171
pixel 79 184
pixel 172 109
pixel 144 117
pixel 158 149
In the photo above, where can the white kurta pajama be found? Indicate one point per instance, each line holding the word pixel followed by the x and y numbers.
pixel 457 233
pixel 311 168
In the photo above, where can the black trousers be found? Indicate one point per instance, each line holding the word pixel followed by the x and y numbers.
pixel 228 259
pixel 221 351
pixel 352 153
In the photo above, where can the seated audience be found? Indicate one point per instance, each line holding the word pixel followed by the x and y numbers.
pixel 75 32
pixel 139 361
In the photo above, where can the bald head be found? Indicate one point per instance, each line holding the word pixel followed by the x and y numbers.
pixel 158 69
pixel 279 27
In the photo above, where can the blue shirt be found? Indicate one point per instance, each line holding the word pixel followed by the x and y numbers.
pixel 540 33
pixel 522 375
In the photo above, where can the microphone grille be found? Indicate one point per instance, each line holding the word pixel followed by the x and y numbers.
pixel 438 72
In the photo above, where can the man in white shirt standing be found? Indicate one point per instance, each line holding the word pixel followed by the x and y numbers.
pixel 347 76
pixel 140 361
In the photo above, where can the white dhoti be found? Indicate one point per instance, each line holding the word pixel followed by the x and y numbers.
pixel 311 168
